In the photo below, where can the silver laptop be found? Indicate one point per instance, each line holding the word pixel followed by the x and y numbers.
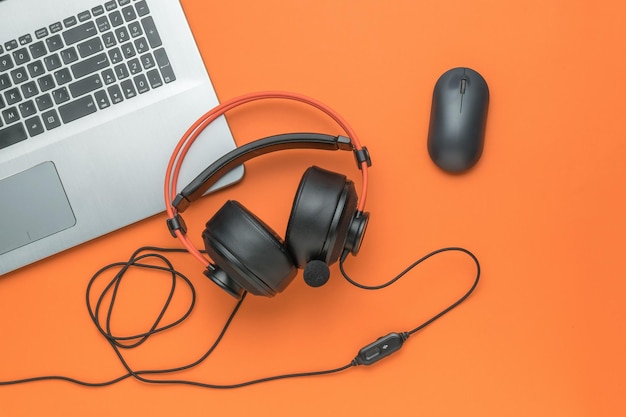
pixel 94 95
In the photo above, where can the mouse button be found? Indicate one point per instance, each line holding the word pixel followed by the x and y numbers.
pixel 455 81
pixel 475 80
pixel 450 80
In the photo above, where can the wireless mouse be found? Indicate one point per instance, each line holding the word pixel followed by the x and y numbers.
pixel 458 119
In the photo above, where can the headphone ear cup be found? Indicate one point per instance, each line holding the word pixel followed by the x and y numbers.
pixel 320 220
pixel 248 251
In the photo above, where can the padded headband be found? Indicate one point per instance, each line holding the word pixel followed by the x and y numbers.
pixel 207 178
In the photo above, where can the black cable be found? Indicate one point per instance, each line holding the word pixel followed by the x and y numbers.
pixel 367 355
pixel 138 260
pixel 409 268
pixel 114 286
pixel 246 383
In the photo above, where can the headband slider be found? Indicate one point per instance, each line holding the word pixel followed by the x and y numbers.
pixel 181 203
pixel 176 223
pixel 343 143
pixel 362 155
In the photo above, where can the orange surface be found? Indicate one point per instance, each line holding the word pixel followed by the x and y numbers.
pixel 544 333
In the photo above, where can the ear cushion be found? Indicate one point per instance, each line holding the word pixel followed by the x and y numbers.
pixel 248 251
pixel 320 217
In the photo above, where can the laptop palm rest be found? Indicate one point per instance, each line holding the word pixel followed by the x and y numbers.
pixel 34 205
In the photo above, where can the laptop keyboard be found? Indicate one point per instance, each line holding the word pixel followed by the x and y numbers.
pixel 71 69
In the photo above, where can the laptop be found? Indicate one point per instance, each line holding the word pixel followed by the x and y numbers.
pixel 94 96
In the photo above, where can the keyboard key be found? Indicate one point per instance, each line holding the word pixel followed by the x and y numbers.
pixel 69 55
pixel 56 27
pixel 91 64
pixel 108 76
pixel 5 81
pixel 141 45
pixel 102 99
pixel 141 84
pixel 19 75
pixel 2 106
pixel 60 95
pixel 5 62
pixel 41 33
pixel 83 16
pixel 51 119
pixel 10 115
pixel 147 61
pixel 25 40
pixel 109 39
pixel 110 5
pixel 35 69
pixel 97 11
pixel 29 89
pixel 142 8
pixel 70 21
pixel 128 89
pixel 12 96
pixel 11 135
pixel 129 13
pixel 115 93
pixel 44 102
pixel 116 55
pixel 164 65
pixel 62 76
pixel 121 71
pixel 54 43
pixel 103 23
pixel 77 109
pixel 116 18
pixel 135 29
pixel 10 45
pixel 154 78
pixel 134 66
pixel 85 85
pixel 52 62
pixel 34 126
pixel 128 50
pixel 21 56
pixel 27 108
pixel 38 49
pixel 79 33
pixel 122 34
pixel 46 83
pixel 90 47
pixel 150 30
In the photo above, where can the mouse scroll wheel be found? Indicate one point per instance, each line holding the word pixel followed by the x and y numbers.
pixel 463 85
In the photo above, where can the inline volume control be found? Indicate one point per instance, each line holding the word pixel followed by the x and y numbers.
pixel 381 348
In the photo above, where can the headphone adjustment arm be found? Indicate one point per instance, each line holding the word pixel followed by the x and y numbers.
pixel 176 223
pixel 362 155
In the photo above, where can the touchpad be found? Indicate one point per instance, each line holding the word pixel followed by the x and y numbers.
pixel 33 205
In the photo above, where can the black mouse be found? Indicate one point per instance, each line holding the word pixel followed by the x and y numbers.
pixel 458 118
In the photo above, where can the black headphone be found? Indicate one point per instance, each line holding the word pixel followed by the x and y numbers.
pixel 327 220
pixel 327 223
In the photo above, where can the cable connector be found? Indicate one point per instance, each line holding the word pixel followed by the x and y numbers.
pixel 381 348
pixel 176 223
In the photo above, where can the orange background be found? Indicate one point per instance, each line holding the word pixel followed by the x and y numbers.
pixel 544 333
